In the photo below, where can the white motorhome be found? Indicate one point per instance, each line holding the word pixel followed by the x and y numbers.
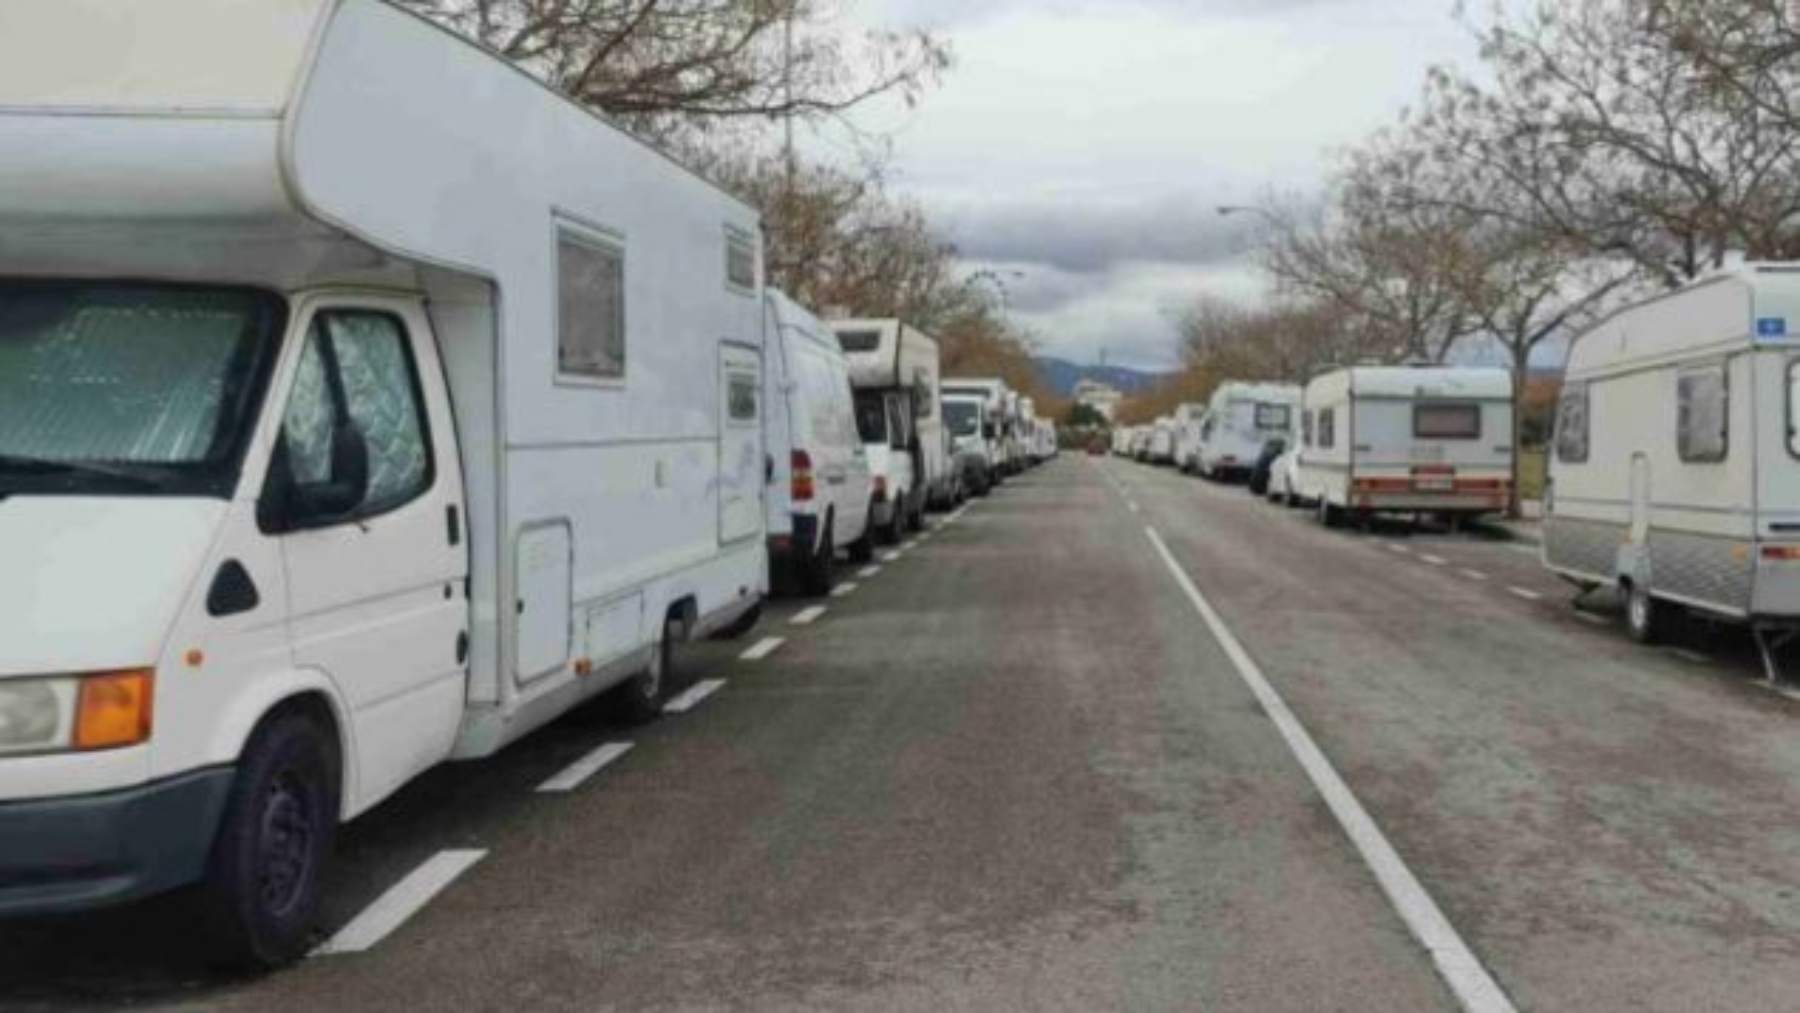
pixel 363 404
pixel 1046 436
pixel 1121 440
pixel 1406 439
pixel 1240 420
pixel 1189 417
pixel 1674 474
pixel 1161 446
pixel 1028 431
pixel 894 369
pixel 972 415
pixel 819 486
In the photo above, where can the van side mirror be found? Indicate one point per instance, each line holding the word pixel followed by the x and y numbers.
pixel 288 505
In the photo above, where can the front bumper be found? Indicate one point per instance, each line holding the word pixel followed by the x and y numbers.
pixel 60 855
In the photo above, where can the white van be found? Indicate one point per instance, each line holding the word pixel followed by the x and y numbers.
pixel 819 485
pixel 968 419
pixel 1240 420
pixel 894 370
pixel 1189 417
pixel 1674 476
pixel 1161 448
pixel 1406 439
pixel 363 404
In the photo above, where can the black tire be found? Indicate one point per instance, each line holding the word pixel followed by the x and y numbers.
pixel 814 571
pixel 639 699
pixel 896 525
pixel 915 521
pixel 1330 515
pixel 263 881
pixel 863 549
pixel 1646 619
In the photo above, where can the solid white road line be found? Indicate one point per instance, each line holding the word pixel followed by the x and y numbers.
pixel 845 589
pixel 1474 987
pixel 401 901
pixel 762 649
pixel 1433 560
pixel 807 616
pixel 1475 575
pixel 695 693
pixel 868 571
pixel 584 768
pixel 1524 593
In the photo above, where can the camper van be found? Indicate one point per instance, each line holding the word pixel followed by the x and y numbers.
pixel 1161 446
pixel 1240 419
pixel 1189 417
pixel 819 485
pixel 1406 439
pixel 1028 432
pixel 1674 474
pixel 365 405
pixel 894 370
pixel 972 415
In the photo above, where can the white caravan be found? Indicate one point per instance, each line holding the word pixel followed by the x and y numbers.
pixel 1676 472
pixel 1189 417
pixel 1161 448
pixel 894 369
pixel 1240 420
pixel 819 484
pixel 972 415
pixel 1407 439
pixel 363 403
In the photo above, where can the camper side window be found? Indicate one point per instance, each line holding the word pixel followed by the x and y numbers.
pixel 1327 428
pixel 1701 415
pixel 590 309
pixel 1306 428
pixel 1447 421
pixel 1572 425
pixel 740 262
pixel 740 392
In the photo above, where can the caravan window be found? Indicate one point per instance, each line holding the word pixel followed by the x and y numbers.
pixel 899 426
pixel 590 308
pixel 1447 421
pixel 1327 428
pixel 859 341
pixel 1572 425
pixel 871 416
pixel 1306 427
pixel 1274 417
pixel 962 418
pixel 740 261
pixel 1701 415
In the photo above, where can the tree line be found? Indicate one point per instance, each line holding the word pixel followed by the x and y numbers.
pixel 1601 151
pixel 716 83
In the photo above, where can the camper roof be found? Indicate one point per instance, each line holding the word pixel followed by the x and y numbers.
pixel 1734 308
pixel 1431 381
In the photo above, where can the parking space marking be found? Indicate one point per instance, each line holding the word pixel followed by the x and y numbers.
pixel 762 649
pixel 695 693
pixel 1474 575
pixel 845 589
pixel 807 616
pixel 1525 593
pixel 868 571
pixel 891 557
pixel 575 773
pixel 1473 986
pixel 1433 560
pixel 401 901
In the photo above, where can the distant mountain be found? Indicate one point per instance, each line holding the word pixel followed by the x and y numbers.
pixel 1061 376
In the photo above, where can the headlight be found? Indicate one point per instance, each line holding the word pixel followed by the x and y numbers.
pixel 104 710
pixel 36 715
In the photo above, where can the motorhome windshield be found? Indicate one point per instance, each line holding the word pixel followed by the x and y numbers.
pixel 871 416
pixel 963 418
pixel 110 388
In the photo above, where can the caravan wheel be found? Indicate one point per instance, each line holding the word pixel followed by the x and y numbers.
pixel 1646 619
pixel 639 699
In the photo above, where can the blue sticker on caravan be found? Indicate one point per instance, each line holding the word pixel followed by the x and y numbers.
pixel 1771 327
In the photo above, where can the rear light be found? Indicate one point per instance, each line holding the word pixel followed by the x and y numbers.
pixel 802 476
pixel 1783 553
pixel 880 488
pixel 1369 485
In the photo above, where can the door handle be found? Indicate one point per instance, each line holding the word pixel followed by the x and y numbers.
pixel 453 524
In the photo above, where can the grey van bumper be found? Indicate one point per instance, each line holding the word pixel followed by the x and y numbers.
pixel 60 855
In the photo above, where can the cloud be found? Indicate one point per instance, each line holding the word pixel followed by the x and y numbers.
pixel 1085 236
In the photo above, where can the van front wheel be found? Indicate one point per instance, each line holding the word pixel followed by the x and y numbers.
pixel 262 885
pixel 639 699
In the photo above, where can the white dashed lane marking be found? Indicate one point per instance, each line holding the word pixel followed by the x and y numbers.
pixel 1475 575
pixel 575 773
pixel 1528 595
pixel 401 901
pixel 807 616
pixel 845 589
pixel 695 693
pixel 762 649
pixel 868 571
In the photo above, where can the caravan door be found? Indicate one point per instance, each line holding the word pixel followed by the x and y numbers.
pixel 740 444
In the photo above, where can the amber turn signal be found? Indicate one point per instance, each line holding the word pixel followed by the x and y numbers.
pixel 114 709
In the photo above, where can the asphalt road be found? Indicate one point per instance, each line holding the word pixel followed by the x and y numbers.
pixel 1017 769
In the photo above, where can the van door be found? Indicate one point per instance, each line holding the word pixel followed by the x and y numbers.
pixel 740 444
pixel 375 580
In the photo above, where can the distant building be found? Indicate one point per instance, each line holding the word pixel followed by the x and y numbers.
pixel 1098 396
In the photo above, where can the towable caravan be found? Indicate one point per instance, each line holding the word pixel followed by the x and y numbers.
pixel 1406 439
pixel 363 404
pixel 1675 475
pixel 819 484
pixel 894 369
pixel 1240 420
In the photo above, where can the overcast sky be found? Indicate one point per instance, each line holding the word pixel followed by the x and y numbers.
pixel 1085 143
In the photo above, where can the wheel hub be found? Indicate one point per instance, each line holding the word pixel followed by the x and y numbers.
pixel 285 844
